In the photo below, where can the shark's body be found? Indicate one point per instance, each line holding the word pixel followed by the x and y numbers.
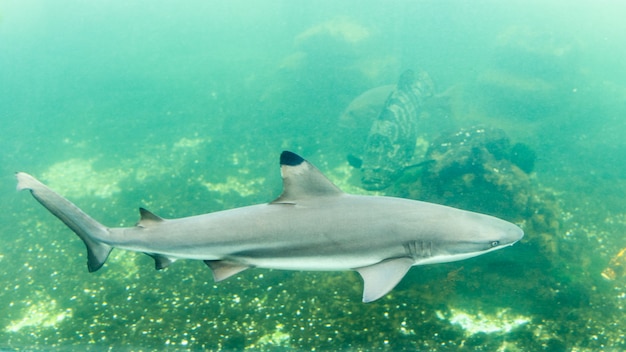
pixel 312 226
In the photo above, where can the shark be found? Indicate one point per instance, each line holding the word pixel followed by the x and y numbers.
pixel 311 226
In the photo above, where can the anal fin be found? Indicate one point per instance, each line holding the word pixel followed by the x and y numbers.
pixel 380 278
pixel 223 269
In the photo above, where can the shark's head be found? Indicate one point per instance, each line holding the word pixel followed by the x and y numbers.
pixel 474 234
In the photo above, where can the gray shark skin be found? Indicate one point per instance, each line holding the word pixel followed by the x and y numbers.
pixel 313 225
pixel 391 141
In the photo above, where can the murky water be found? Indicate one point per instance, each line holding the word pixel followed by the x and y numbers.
pixel 184 108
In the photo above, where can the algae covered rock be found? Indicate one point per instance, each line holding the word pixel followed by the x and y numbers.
pixel 477 168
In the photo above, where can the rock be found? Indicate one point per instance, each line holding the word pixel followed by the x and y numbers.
pixel 474 169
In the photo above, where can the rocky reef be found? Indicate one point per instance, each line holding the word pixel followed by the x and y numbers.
pixel 481 169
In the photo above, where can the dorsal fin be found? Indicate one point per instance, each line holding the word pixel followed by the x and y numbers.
pixel 406 80
pixel 302 180
pixel 147 218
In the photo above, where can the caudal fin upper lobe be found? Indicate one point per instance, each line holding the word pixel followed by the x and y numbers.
pixel 88 229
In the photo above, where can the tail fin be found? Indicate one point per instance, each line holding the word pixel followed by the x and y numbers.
pixel 82 224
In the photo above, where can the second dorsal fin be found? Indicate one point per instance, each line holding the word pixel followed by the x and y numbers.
pixel 148 218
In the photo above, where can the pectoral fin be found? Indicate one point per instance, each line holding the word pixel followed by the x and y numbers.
pixel 380 278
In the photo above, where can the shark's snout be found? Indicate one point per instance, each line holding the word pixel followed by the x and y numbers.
pixel 513 234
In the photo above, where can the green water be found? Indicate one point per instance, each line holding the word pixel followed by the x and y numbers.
pixel 184 107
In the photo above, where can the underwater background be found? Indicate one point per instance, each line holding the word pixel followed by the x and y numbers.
pixel 183 107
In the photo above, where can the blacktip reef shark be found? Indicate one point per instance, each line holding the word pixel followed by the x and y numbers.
pixel 312 225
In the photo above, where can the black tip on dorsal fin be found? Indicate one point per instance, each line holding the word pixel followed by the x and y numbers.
pixel 301 180
pixel 148 218
pixel 290 159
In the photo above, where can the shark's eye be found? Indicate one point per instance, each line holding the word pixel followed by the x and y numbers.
pixel 494 243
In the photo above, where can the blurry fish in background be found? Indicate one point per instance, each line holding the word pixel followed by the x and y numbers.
pixel 357 118
pixel 391 141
